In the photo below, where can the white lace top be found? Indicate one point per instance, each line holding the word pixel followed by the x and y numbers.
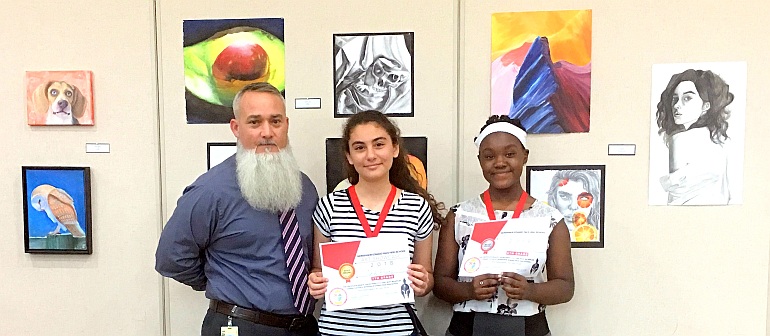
pixel 466 215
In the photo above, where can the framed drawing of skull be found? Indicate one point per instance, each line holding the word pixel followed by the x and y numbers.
pixel 374 72
pixel 57 209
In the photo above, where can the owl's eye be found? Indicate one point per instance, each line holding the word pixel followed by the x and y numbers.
pixel 218 67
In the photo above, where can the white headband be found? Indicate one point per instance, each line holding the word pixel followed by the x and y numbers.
pixel 505 128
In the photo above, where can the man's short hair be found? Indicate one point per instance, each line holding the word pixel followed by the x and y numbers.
pixel 254 87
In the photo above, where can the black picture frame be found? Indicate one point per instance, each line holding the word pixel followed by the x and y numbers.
pixel 336 161
pixel 216 150
pixel 350 65
pixel 576 191
pixel 63 194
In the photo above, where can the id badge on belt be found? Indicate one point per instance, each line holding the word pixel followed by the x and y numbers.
pixel 229 330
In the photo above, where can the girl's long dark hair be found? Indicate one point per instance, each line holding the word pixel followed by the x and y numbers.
pixel 400 172
pixel 712 89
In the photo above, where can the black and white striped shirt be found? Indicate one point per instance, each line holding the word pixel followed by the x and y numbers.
pixel 335 217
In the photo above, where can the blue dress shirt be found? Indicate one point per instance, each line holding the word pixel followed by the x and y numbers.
pixel 215 241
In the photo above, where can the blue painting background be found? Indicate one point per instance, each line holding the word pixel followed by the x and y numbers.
pixel 71 181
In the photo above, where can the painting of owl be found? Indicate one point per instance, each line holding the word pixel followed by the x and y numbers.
pixel 60 208
pixel 57 209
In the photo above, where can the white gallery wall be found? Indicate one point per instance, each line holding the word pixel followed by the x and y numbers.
pixel 663 270
pixel 114 291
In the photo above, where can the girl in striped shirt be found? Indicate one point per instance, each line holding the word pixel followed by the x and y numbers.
pixel 379 171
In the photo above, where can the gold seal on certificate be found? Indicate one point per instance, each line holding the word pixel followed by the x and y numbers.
pixel 347 271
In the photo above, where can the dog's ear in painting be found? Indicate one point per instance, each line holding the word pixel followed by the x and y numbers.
pixel 40 102
pixel 78 102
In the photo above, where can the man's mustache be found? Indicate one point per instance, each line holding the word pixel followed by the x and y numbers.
pixel 265 143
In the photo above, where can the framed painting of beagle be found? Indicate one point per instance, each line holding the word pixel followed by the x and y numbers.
pixel 59 98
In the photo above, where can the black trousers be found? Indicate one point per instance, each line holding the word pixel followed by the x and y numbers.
pixel 464 324
pixel 213 322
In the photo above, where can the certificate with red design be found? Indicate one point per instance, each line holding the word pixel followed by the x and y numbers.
pixel 513 245
pixel 366 273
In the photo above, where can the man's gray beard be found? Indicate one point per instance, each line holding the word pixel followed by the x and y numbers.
pixel 269 181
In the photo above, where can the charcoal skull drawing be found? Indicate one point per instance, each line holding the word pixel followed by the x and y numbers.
pixel 378 78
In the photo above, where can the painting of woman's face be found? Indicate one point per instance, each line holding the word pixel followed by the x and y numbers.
pixel 687 105
pixel 571 197
pixel 577 192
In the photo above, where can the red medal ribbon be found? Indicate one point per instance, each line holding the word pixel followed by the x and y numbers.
pixel 491 211
pixel 360 211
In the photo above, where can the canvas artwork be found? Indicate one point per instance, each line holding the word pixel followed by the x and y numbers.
pixel 223 56
pixel 578 193
pixel 336 175
pixel 57 210
pixel 697 133
pixel 541 69
pixel 374 72
pixel 59 98
pixel 216 152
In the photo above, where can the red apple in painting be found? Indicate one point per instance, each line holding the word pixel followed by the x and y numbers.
pixel 585 199
pixel 245 61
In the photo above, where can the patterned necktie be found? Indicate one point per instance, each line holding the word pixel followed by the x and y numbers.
pixel 296 263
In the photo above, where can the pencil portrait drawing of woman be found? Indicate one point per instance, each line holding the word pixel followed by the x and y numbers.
pixel 692 118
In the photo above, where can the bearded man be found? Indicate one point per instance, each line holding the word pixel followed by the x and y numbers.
pixel 243 230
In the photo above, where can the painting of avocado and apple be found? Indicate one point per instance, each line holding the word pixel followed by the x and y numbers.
pixel 541 69
pixel 224 55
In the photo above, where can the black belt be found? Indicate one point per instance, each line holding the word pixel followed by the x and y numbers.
pixel 290 322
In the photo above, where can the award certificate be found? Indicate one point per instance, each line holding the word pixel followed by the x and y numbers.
pixel 512 245
pixel 366 273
